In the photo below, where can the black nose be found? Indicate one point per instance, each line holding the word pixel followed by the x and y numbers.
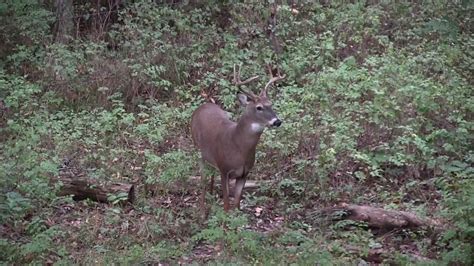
pixel 277 123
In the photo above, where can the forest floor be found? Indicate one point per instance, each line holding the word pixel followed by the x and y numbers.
pixel 91 226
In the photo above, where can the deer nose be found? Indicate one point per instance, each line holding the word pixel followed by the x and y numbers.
pixel 277 123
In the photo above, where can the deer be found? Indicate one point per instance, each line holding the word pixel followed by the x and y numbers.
pixel 230 146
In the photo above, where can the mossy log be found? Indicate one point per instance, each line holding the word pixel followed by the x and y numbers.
pixel 250 185
pixel 85 188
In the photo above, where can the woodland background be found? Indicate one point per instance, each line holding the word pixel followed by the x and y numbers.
pixel 377 109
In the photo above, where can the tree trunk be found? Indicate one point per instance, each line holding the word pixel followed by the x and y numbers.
pixel 64 28
pixel 271 30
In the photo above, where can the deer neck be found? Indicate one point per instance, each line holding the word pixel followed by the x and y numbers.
pixel 247 134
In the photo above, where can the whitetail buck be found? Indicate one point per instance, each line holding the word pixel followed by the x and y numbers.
pixel 228 146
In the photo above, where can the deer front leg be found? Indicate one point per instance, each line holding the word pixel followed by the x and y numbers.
pixel 225 191
pixel 239 186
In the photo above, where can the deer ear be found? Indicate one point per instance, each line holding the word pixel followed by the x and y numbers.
pixel 244 99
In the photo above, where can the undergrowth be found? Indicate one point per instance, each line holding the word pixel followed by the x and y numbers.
pixel 377 109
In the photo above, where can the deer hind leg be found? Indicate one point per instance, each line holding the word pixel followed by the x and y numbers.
pixel 202 170
pixel 225 191
pixel 239 186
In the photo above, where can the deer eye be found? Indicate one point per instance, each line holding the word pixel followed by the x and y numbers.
pixel 259 108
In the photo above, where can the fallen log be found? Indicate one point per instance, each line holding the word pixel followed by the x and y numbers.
pixel 85 188
pixel 379 218
pixel 250 185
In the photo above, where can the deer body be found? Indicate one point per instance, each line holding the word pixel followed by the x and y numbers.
pixel 227 137
pixel 229 146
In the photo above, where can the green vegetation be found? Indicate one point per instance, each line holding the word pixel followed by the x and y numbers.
pixel 377 109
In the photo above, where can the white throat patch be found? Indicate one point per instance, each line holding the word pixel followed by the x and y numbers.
pixel 256 127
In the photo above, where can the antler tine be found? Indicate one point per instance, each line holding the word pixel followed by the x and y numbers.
pixel 273 79
pixel 238 82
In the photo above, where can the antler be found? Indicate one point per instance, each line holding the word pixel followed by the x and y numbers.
pixel 272 80
pixel 238 82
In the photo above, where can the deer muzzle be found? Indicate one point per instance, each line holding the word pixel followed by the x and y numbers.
pixel 275 122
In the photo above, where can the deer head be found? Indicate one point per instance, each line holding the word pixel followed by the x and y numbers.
pixel 258 107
